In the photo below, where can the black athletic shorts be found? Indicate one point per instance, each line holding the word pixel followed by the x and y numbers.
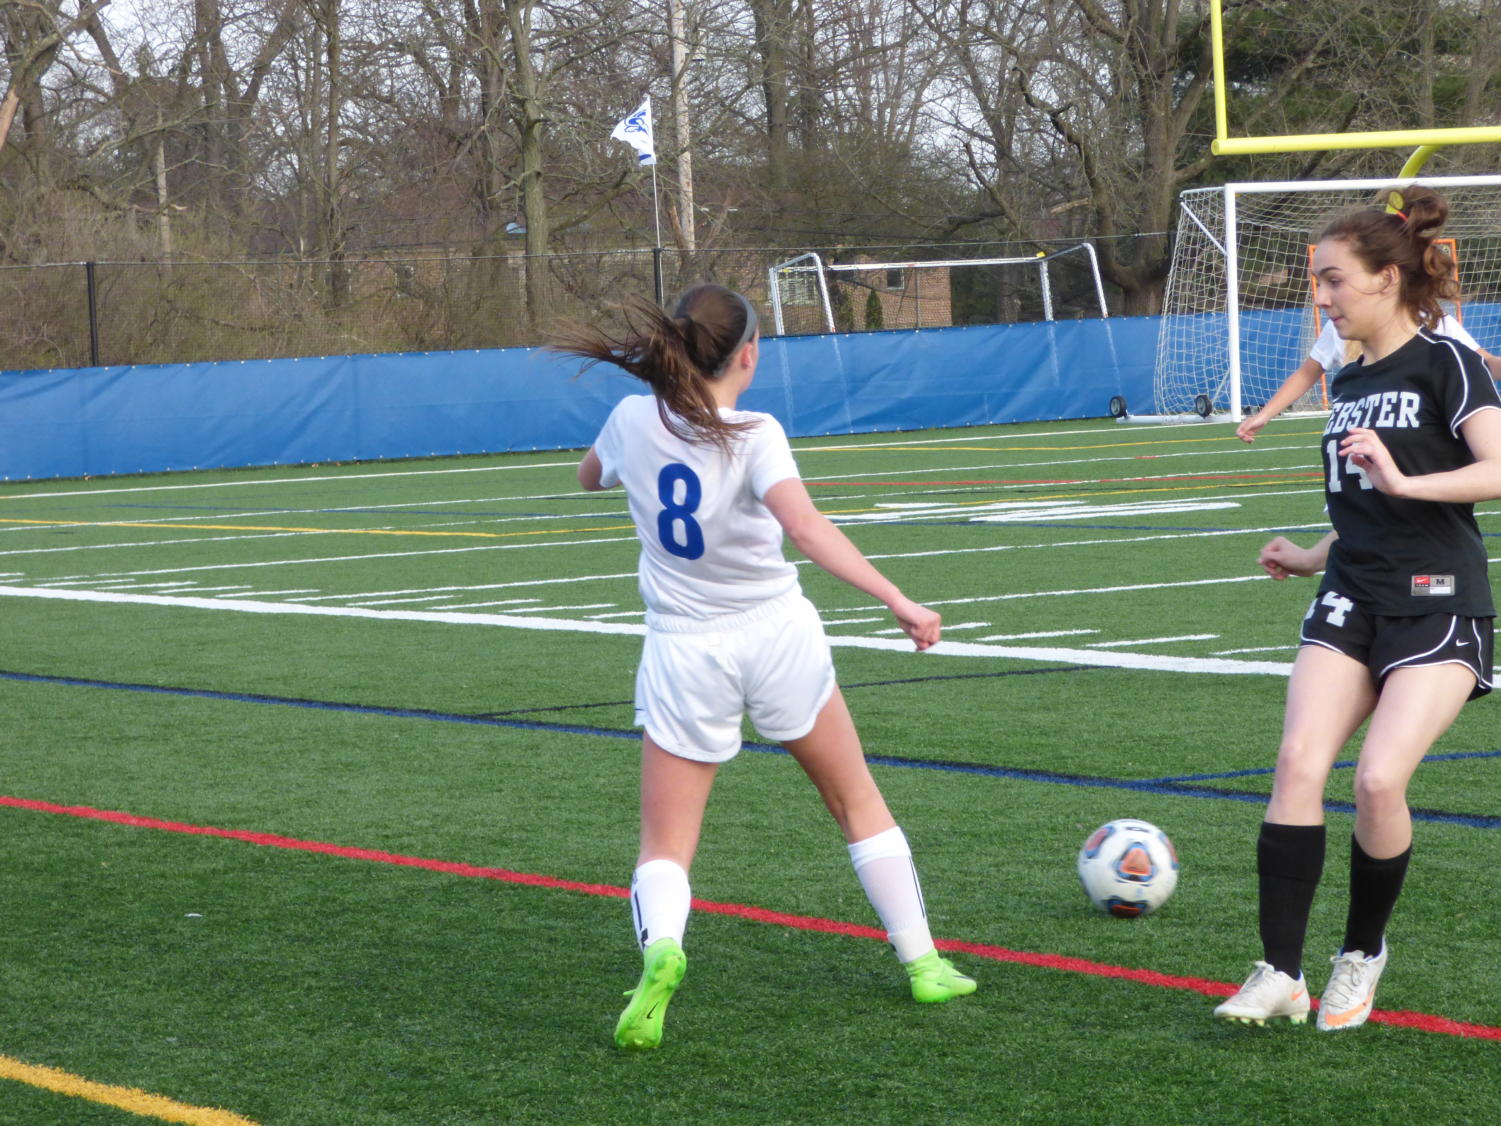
pixel 1383 643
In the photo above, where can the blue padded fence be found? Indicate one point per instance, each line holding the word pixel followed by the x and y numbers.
pixel 152 418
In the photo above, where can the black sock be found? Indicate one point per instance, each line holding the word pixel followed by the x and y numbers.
pixel 1289 862
pixel 1374 887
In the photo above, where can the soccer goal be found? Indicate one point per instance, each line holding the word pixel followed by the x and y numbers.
pixel 1238 312
pixel 919 294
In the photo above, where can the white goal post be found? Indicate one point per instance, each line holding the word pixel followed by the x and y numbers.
pixel 804 280
pixel 1238 313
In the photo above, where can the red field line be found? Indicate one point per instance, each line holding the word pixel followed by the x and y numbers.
pixel 908 484
pixel 1423 1022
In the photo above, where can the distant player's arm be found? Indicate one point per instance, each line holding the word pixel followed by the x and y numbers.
pixel 812 533
pixel 1492 363
pixel 1293 388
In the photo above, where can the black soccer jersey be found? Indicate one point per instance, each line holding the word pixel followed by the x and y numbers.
pixel 1397 556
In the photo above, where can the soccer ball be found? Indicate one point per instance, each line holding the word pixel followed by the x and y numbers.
pixel 1128 868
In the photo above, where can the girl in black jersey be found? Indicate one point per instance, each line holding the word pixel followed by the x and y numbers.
pixel 1400 630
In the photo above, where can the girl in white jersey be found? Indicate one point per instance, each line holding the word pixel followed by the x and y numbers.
pixel 712 489
pixel 1327 356
pixel 1330 353
pixel 1400 632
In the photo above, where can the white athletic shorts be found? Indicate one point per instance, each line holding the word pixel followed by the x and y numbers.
pixel 698 680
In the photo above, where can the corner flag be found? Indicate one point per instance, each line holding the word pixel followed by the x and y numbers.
pixel 635 131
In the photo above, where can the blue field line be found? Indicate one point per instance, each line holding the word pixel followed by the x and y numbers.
pixel 1166 787
pixel 1169 788
pixel 1344 764
pixel 322 705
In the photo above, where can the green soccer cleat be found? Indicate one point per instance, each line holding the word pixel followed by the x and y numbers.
pixel 934 979
pixel 640 1026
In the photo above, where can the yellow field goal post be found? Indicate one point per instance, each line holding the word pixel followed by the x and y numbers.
pixel 1226 145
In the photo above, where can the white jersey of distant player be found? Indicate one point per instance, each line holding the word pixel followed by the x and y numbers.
pixel 1334 352
pixel 709 546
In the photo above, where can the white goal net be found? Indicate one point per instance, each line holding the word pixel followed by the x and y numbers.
pixel 1238 313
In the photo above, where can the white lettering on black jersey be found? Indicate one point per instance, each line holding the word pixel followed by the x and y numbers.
pixel 1415 399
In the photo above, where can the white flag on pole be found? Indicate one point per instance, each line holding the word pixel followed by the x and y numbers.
pixel 635 131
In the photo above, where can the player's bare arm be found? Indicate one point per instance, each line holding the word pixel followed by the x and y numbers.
pixel 591 472
pixel 1283 559
pixel 812 533
pixel 1478 481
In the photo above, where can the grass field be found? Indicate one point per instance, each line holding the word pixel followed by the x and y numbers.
pixel 319 797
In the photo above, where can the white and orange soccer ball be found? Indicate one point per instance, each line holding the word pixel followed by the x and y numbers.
pixel 1128 867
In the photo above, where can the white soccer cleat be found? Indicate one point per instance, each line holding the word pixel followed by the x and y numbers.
pixel 1351 990
pixel 1267 994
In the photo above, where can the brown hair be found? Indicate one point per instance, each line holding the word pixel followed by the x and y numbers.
pixel 1404 238
pixel 678 355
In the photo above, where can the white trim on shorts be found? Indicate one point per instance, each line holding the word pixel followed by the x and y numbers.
pixel 1476 667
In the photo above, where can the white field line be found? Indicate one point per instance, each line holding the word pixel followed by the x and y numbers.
pixel 1006 466
pixel 565 625
pixel 394 601
pixel 1095 590
pixel 309 479
pixel 1153 640
pixel 1067 593
pixel 1097 542
pixel 1040 436
pixel 265 514
pixel 467 589
pixel 186 521
pixel 920 510
pixel 876 441
pixel 506 602
pixel 836 517
pixel 578 606
pixel 73 580
pixel 1043 633
pixel 152 543
pixel 581 493
pixel 614 513
pixel 349 559
pixel 259 593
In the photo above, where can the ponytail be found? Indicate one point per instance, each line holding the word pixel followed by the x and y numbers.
pixel 678 355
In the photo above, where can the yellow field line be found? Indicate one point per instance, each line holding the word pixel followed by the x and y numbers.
pixel 322 531
pixel 131 1099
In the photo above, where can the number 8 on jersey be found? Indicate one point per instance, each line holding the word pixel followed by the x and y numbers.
pixel 676 513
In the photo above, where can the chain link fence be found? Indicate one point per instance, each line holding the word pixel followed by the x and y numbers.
pixel 111 313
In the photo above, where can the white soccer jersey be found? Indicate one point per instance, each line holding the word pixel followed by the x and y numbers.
pixel 709 546
pixel 1330 349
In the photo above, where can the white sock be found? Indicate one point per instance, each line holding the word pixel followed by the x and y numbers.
pixel 660 901
pixel 884 864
